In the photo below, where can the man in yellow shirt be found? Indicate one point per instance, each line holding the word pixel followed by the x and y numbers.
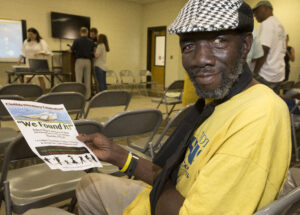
pixel 228 156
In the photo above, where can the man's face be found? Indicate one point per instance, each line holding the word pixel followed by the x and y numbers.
pixel 213 61
pixel 93 35
pixel 260 13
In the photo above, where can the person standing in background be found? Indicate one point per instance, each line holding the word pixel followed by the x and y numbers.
pixel 255 52
pixel 270 68
pixel 289 56
pixel 34 47
pixel 94 35
pixel 100 61
pixel 83 47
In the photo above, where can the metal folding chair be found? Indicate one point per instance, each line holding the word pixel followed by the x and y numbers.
pixel 73 102
pixel 69 87
pixel 279 205
pixel 85 126
pixel 28 91
pixel 171 97
pixel 135 123
pixel 7 134
pixel 108 98
pixel 127 79
pixel 36 185
pixel 112 80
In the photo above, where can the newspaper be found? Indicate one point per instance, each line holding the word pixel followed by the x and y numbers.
pixel 51 135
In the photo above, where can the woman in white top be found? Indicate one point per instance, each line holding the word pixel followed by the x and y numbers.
pixel 35 47
pixel 100 61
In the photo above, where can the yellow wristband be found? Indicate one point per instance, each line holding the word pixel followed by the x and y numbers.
pixel 126 165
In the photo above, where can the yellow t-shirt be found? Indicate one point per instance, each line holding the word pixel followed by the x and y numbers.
pixel 238 158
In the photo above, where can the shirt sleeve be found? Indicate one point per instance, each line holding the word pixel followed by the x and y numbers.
pixel 23 48
pixel 257 47
pixel 45 48
pixel 265 34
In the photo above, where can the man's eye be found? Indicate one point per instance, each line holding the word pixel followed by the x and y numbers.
pixel 187 47
pixel 219 43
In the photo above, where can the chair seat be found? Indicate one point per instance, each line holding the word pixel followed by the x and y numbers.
pixel 140 143
pixel 7 135
pixel 40 182
pixel 169 101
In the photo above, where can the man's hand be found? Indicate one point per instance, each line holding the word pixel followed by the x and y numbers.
pixel 104 148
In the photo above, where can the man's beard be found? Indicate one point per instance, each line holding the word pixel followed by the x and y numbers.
pixel 228 79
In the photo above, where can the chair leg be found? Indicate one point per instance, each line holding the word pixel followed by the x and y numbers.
pixel 72 205
pixel 7 200
pixel 294 138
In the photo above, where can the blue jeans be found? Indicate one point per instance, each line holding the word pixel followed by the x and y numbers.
pixel 101 78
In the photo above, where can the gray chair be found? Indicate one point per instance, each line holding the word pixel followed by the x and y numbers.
pixel 85 126
pixel 69 87
pixel 36 185
pixel 7 134
pixel 159 139
pixel 112 80
pixel 286 85
pixel 28 91
pixel 108 98
pixel 73 102
pixel 137 123
pixel 294 128
pixel 127 79
pixel 145 82
pixel 168 99
pixel 291 201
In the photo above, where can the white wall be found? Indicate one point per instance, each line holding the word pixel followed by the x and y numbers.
pixel 162 14
pixel 119 20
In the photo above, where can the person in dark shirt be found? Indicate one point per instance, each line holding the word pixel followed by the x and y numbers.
pixel 289 56
pixel 83 48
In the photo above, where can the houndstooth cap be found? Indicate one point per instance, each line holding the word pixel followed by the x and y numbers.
pixel 213 15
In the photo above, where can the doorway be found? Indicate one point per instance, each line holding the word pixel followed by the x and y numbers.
pixel 156 55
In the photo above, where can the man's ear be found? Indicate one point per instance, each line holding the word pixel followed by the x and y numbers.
pixel 247 43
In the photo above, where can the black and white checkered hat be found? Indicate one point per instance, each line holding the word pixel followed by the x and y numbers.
pixel 213 15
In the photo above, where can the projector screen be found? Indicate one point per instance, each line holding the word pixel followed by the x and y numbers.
pixel 11 40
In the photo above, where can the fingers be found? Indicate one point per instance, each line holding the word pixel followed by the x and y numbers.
pixel 87 137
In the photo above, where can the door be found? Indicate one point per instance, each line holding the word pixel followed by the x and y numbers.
pixel 156 55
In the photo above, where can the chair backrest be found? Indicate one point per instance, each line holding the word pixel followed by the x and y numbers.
pixel 69 87
pixel 15 151
pixel 297 84
pixel 173 123
pixel 126 77
pixel 73 102
pixel 281 204
pixel 4 115
pixel 286 85
pixel 176 86
pixel 112 77
pixel 85 126
pixel 25 90
pixel 133 123
pixel 109 98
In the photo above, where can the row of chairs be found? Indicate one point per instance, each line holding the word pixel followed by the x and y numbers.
pixel 126 79
pixel 38 186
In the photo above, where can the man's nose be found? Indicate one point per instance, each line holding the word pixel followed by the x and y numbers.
pixel 204 55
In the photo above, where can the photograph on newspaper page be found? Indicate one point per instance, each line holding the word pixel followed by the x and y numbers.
pixel 51 135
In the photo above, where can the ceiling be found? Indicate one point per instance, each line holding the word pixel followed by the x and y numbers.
pixel 145 1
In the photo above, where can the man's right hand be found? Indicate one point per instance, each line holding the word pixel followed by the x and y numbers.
pixel 104 148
